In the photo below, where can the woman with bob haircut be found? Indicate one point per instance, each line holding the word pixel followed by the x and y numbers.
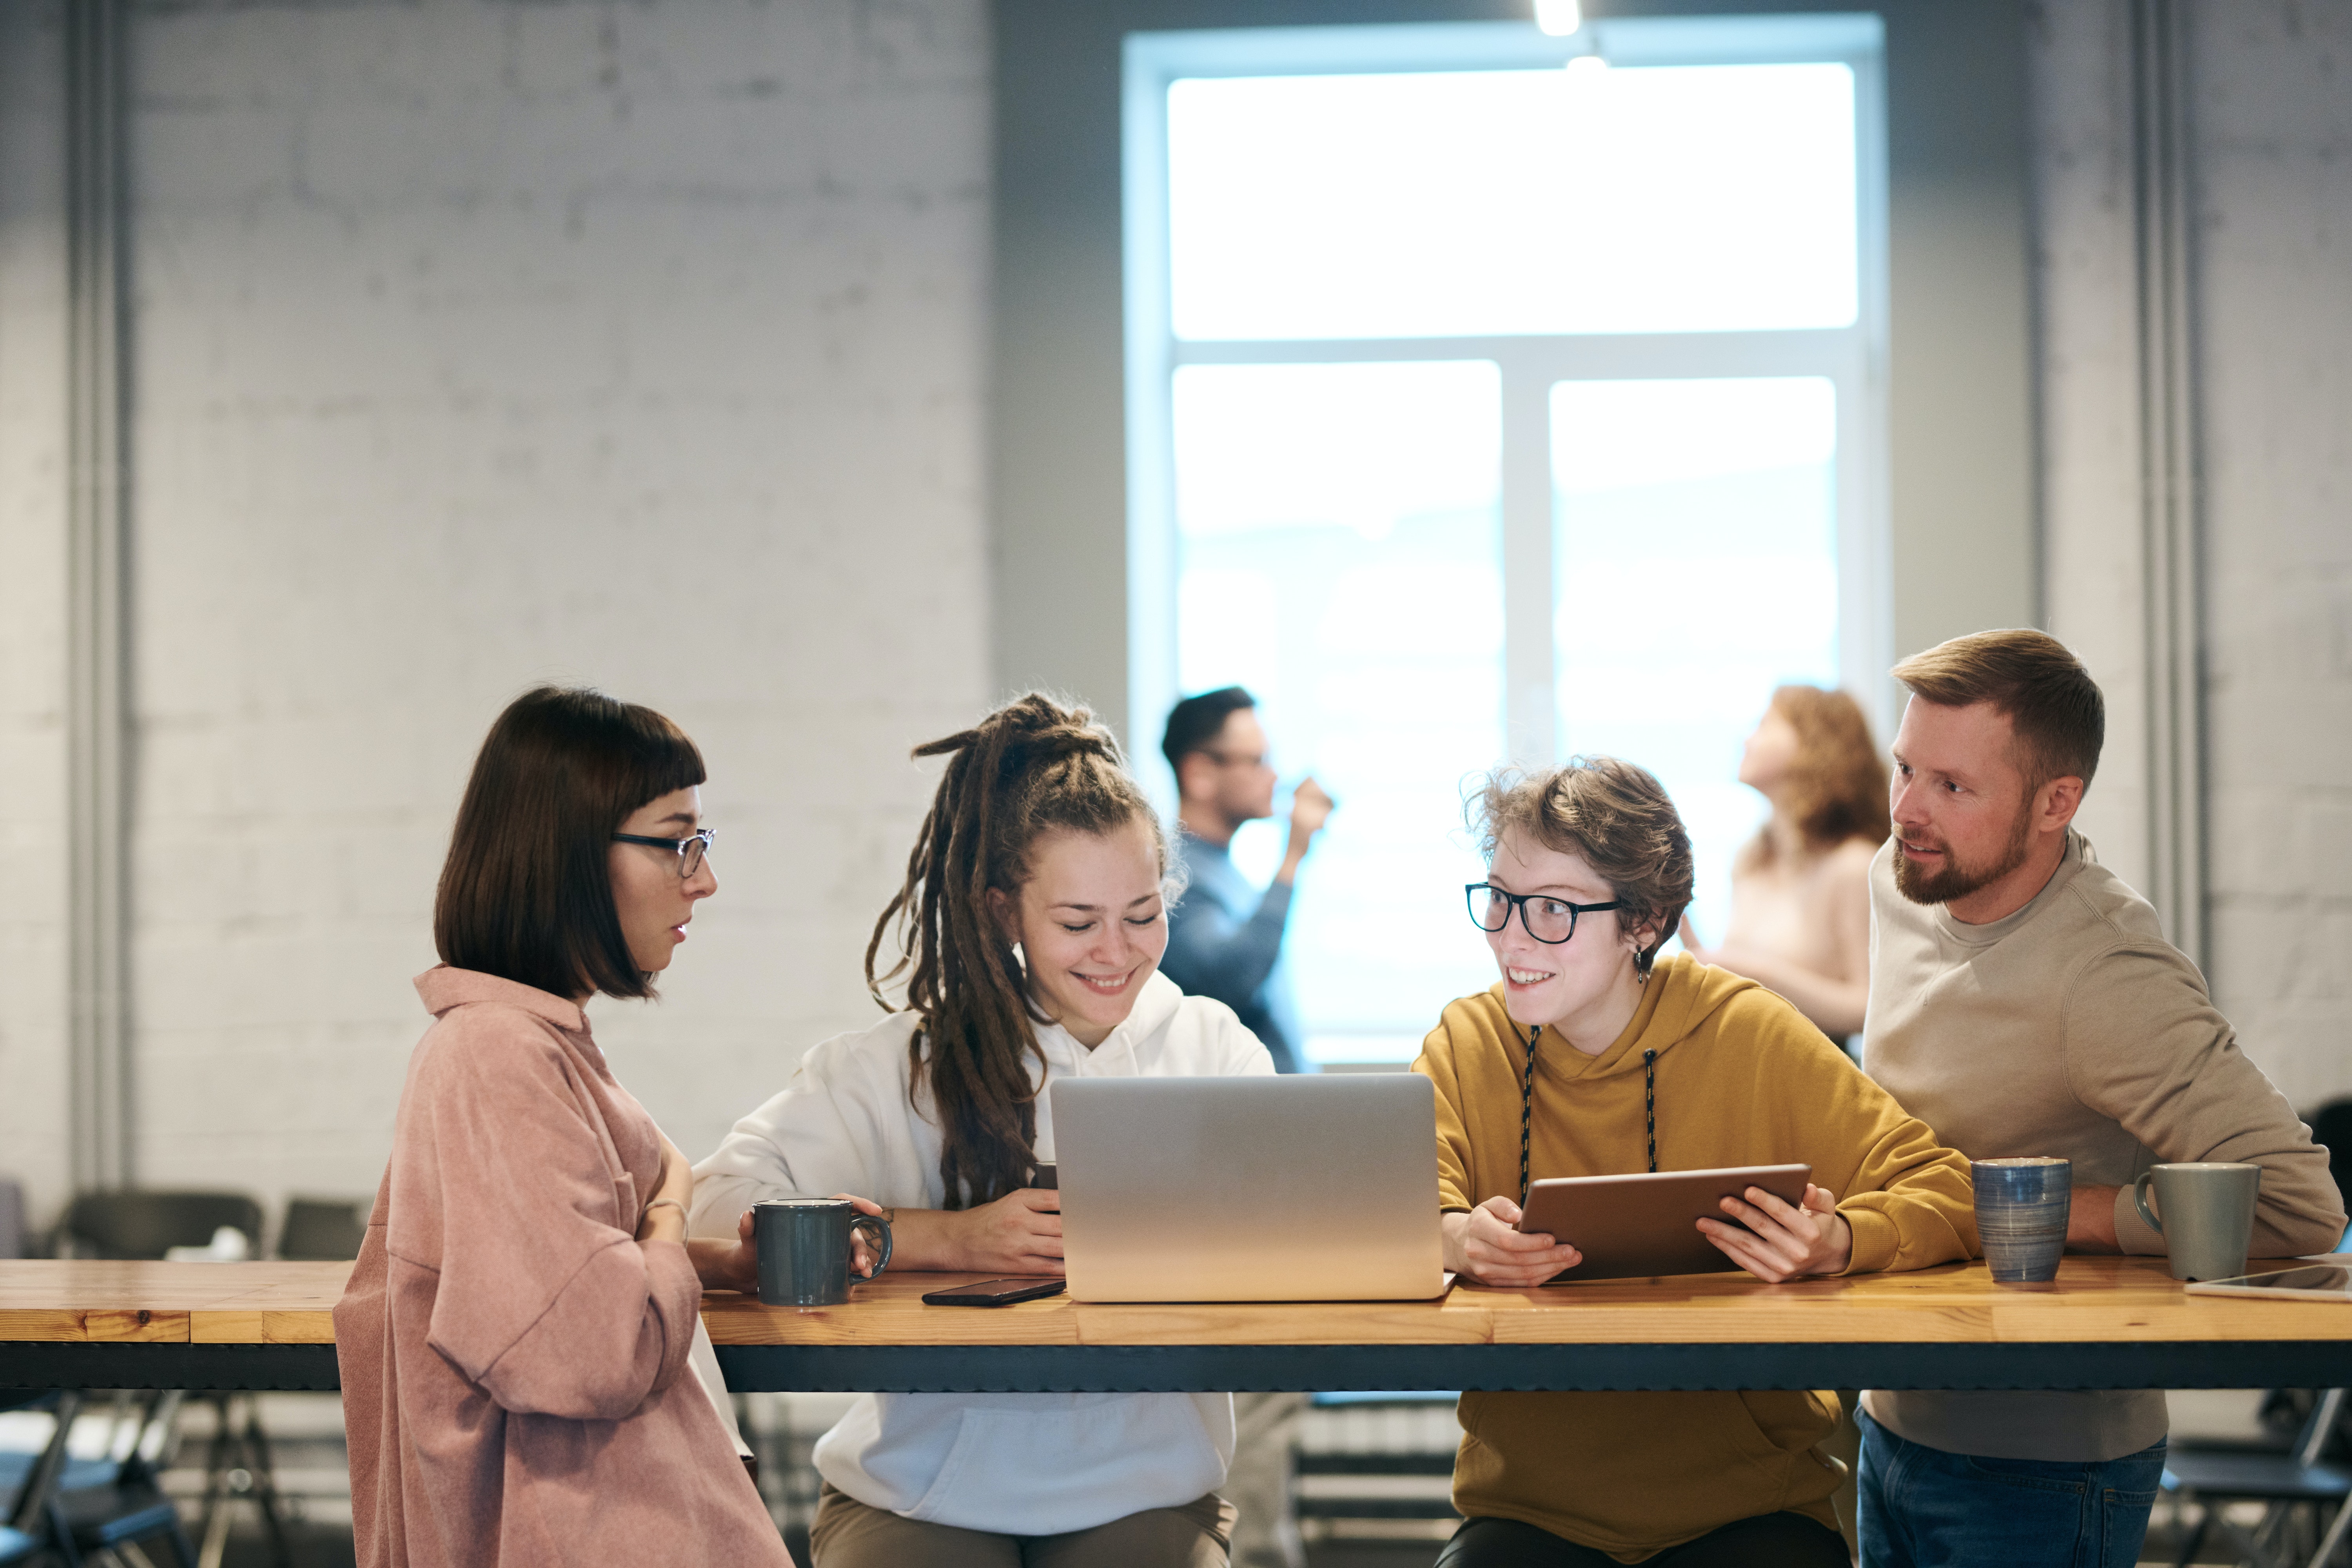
pixel 1801 890
pixel 1595 1056
pixel 1031 926
pixel 514 1340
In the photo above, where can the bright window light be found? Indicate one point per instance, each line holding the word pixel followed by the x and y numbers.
pixel 1696 554
pixel 1654 199
pixel 1493 400
pixel 1337 535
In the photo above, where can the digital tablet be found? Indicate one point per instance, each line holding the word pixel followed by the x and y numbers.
pixel 1632 1227
pixel 2311 1282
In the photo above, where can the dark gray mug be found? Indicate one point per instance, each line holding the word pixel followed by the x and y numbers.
pixel 2207 1209
pixel 803 1249
pixel 2021 1207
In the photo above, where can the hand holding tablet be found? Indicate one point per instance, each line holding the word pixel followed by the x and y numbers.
pixel 1768 1219
pixel 1492 1249
pixel 1776 1241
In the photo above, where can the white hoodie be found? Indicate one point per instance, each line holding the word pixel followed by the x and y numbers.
pixel 1012 1464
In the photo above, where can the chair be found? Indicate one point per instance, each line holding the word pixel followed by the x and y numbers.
pixel 13 1231
pixel 129 1507
pixel 2287 1483
pixel 2331 1128
pixel 32 1527
pixel 138 1223
pixel 322 1230
pixel 19 1466
pixel 238 1465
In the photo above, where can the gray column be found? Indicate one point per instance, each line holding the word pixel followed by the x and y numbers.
pixel 2171 512
pixel 98 936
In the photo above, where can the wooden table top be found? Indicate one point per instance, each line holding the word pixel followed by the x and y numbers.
pixel 169 1303
pixel 2095 1299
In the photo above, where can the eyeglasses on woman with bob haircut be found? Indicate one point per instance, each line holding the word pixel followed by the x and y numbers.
pixel 527 891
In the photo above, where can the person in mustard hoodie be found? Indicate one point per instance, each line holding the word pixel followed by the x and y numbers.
pixel 1593 1055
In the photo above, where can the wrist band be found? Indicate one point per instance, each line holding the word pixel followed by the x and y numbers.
pixel 667 1203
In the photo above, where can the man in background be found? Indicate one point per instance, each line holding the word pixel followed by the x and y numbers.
pixel 2023 1002
pixel 1224 940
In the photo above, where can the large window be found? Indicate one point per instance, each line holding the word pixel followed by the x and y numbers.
pixel 1496 397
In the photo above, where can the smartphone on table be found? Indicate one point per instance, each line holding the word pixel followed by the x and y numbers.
pixel 996 1292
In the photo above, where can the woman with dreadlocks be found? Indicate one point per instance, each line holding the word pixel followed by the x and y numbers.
pixel 1031 926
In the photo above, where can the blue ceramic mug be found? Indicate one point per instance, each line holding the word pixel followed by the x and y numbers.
pixel 2022 1207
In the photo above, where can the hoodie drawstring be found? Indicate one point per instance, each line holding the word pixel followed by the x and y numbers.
pixel 1528 1108
pixel 1650 1104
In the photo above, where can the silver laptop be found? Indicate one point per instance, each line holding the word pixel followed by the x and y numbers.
pixel 1306 1188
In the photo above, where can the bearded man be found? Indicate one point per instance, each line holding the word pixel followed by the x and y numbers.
pixel 2023 1001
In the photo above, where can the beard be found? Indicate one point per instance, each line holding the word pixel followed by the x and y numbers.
pixel 1954 879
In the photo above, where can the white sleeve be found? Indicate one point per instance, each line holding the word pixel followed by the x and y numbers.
pixel 819 1137
pixel 1242 1054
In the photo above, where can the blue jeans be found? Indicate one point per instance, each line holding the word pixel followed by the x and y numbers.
pixel 1922 1508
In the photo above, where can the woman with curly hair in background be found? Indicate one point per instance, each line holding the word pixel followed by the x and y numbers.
pixel 1800 887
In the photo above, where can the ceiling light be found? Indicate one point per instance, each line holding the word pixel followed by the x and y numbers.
pixel 1559 17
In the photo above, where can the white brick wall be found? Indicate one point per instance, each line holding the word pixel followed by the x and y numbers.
pixel 2272 154
pixel 478 344
pixel 2273 104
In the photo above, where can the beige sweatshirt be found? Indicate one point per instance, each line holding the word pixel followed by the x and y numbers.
pixel 2072 1028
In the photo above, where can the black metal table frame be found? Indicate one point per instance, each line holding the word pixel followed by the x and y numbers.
pixel 954 1369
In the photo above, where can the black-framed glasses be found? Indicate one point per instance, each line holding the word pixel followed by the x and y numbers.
pixel 689 849
pixel 1546 919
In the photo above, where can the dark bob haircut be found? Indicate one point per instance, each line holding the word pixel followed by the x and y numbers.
pixel 1195 724
pixel 527 893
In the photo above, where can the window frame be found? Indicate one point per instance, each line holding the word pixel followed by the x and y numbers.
pixel 1855 358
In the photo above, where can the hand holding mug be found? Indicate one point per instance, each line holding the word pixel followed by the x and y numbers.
pixel 805 1248
pixel 865 1259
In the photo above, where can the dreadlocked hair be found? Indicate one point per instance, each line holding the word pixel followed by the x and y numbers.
pixel 1033 765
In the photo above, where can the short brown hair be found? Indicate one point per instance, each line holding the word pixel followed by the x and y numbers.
pixel 2051 700
pixel 1837 789
pixel 527 891
pixel 1617 817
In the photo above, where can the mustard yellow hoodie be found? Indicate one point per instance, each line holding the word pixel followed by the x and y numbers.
pixel 1743 1078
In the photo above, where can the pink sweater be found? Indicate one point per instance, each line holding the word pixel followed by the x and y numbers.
pixel 511 1354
